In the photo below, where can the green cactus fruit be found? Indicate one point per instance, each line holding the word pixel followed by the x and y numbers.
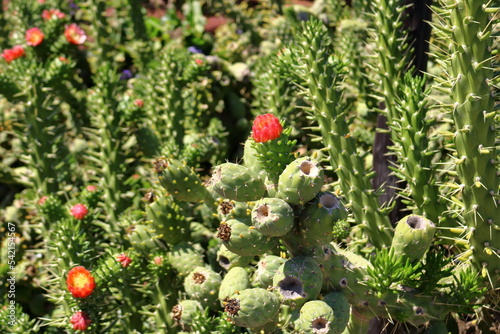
pixel 413 236
pixel 236 279
pixel 272 217
pixel 203 284
pixel 244 239
pixel 266 268
pixel 252 308
pixel 184 312
pixel 229 209
pixel 229 260
pixel 184 257
pixel 317 220
pixel 315 317
pixel 300 181
pixel 168 221
pixel 145 239
pixel 341 310
pixel 236 182
pixel 180 180
pixel 298 280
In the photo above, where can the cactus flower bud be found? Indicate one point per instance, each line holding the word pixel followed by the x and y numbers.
pixel 124 260
pixel 91 188
pixel 265 128
pixel 42 200
pixel 80 282
pixel 80 321
pixel 79 211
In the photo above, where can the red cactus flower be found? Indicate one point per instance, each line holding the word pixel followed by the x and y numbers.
pixel 48 14
pixel 158 260
pixel 79 211
pixel 124 260
pixel 13 54
pixel 199 61
pixel 265 128
pixel 34 36
pixel 80 282
pixel 74 34
pixel 80 321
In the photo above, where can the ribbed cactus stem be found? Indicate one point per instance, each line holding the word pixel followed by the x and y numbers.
pixel 409 134
pixel 391 50
pixel 473 113
pixel 323 76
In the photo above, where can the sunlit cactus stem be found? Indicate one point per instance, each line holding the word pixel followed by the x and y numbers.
pixel 473 113
pixel 323 75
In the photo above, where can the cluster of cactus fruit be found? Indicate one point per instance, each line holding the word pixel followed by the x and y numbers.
pixel 280 264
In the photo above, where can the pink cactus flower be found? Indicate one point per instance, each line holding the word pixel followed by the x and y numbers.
pixel 79 211
pixel 74 34
pixel 34 36
pixel 124 260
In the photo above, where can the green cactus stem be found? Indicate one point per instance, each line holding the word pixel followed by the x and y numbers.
pixel 184 257
pixel 475 135
pixel 322 75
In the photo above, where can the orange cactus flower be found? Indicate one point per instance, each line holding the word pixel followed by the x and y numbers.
pixel 74 34
pixel 124 260
pixel 265 128
pixel 80 321
pixel 34 36
pixel 80 282
pixel 13 54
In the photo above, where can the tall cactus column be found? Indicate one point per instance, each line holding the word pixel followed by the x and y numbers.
pixel 473 114
pixel 322 74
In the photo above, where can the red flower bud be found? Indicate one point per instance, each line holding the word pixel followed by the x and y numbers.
pixel 79 211
pixel 80 321
pixel 265 128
